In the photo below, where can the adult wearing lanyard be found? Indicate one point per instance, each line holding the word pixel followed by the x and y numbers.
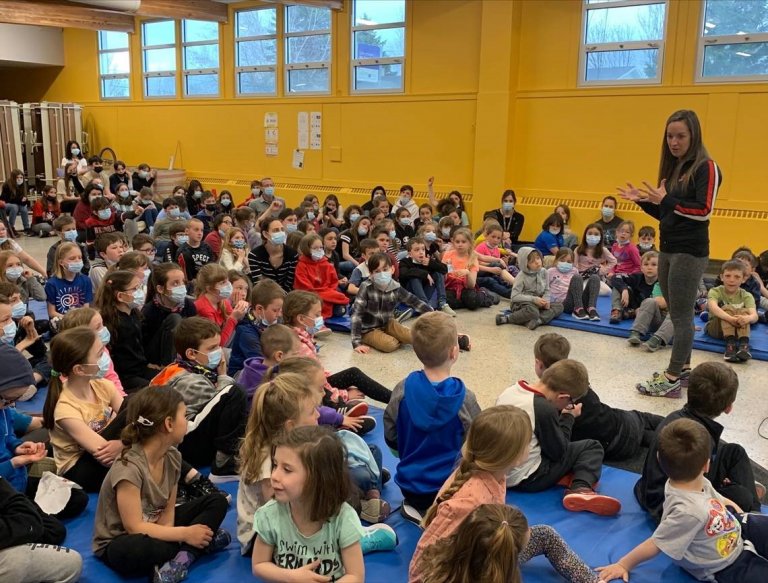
pixel 509 219
pixel 683 202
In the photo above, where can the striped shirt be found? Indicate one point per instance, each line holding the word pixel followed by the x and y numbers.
pixel 258 260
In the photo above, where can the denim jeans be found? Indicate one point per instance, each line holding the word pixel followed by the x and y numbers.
pixel 426 293
pixel 362 475
pixel 13 210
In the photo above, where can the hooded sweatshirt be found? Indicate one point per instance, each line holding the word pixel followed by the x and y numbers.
pixel 425 423
pixel 528 284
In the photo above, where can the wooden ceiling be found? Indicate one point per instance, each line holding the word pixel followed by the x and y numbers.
pixel 65 14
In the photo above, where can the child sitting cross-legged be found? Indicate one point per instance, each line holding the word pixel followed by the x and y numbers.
pixel 567 287
pixel 429 415
pixel 316 274
pixel 631 290
pixel 67 231
pixel 493 274
pixel 701 530
pixel 424 276
pixel 652 317
pixel 497 440
pixel 552 455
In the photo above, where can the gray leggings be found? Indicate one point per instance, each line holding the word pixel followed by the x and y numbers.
pixel 40 563
pixel 679 276
pixel 582 294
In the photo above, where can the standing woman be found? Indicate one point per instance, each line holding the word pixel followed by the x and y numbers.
pixel 688 183
pixel 509 219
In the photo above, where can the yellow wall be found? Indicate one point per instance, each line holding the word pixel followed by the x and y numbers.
pixel 491 102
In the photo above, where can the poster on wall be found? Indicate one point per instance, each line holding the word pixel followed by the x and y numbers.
pixel 303 130
pixel 270 119
pixel 270 149
pixel 271 135
pixel 298 159
pixel 316 130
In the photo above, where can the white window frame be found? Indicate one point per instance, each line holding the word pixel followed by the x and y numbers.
pixel 146 75
pixel 107 76
pixel 186 73
pixel 256 68
pixel 591 48
pixel 376 61
pixel 288 67
pixel 725 39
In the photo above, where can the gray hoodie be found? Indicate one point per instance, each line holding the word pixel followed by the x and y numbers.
pixel 528 284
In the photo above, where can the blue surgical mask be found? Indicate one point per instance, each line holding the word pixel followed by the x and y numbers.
pixel 9 332
pixel 607 212
pixel 75 266
pixel 645 246
pixel 278 238
pixel 353 217
pixel 623 243
pixel 317 254
pixel 175 213
pixel 104 335
pixel 382 278
pixel 225 202
pixel 75 151
pixel 18 310
pixel 238 244
pixel 104 214
pixel 225 291
pixel 446 232
pixel 222 234
pixel 564 266
pixel 310 216
pixel 103 364
pixel 593 240
pixel 124 193
pixel 214 358
pixel 147 273
pixel 14 273
pixel 3 240
pixel 291 227
pixel 143 173
pixel 406 221
pixel 507 206
pixel 138 298
pixel 198 194
pixel 269 191
pixel 315 328
pixel 404 200
pixel 70 235
pixel 362 231
pixel 392 234
pixel 178 294
pixel 430 237
pixel 554 231
pixel 182 240
pixel 255 191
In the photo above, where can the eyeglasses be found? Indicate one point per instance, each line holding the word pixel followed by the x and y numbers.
pixel 571 403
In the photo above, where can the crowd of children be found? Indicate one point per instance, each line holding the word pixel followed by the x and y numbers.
pixel 183 334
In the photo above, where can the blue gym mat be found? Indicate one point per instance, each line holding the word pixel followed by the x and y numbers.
pixel 598 540
pixel 758 339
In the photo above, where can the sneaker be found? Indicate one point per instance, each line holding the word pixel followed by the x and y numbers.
pixel 403 315
pixel 374 510
pixel 502 319
pixel 323 332
pixel 635 339
pixel 378 537
pixel 219 542
pixel 659 386
pixel 495 298
pixel 369 424
pixel 580 314
pixel 170 572
pixel 386 476
pixel 704 316
pixel 182 495
pixel 762 317
pixel 743 353
pixel 354 409
pixel 593 315
pixel 533 324
pixel 411 514
pixel 28 394
pixel 730 352
pixel 587 500
pixel 224 472
pixel 202 487
pixel 653 343
pixel 629 314
pixel 615 316
pixel 448 310
pixel 465 342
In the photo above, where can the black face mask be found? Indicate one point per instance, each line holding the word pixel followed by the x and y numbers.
pixel 98 168
pixel 210 207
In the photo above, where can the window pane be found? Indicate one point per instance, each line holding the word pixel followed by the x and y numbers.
pixel 379 77
pixel 201 57
pixel 203 84
pixel 308 80
pixel 309 49
pixel 370 12
pixel 622 65
pixel 256 52
pixel 198 30
pixel 112 40
pixel 257 82
pixel 161 86
pixel 306 18
pixel 256 22
pixel 114 63
pixel 736 60
pixel 159 33
pixel 159 60
pixel 624 24
pixel 389 42
pixel 735 17
pixel 115 87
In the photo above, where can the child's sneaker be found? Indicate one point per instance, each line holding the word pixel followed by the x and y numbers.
pixel 201 487
pixel 615 316
pixel 322 332
pixel 354 409
pixel 653 343
pixel 219 542
pixel 635 339
pixel 368 425
pixel 374 510
pixel 533 324
pixel 28 394
pixel 378 537
pixel 224 469
pixel 593 315
pixel 448 310
pixel 465 343
pixel 580 314
pixel 587 500
pixel 403 315
pixel 629 314
pixel 502 319
pixel 685 375
pixel 704 316
pixel 659 386
pixel 730 354
pixel 743 353
pixel 411 514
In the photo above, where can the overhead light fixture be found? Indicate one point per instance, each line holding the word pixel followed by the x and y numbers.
pixel 710 25
pixel 743 54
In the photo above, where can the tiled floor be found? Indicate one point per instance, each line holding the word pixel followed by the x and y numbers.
pixel 502 355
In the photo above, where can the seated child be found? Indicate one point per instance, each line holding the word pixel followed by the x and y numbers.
pixel 102 220
pixel 18 329
pixel 145 244
pixel 213 290
pixel 424 277
pixel 461 288
pixel 215 405
pixel 529 303
pixel 428 415
pixel 178 239
pixel 266 309
pixel 278 342
pixel 12 271
pixel 109 248
pixel 593 257
pixel 195 253
pixel 360 273
pixel 701 530
pixel 732 311
pixel 493 274
pixel 67 230
pixel 139 529
pixel 652 317
pixel 552 455
pixel 566 286
pixel 646 239
pixel 172 213
pixel 712 390
pixel 630 290
pixel 234 251
pixel 625 251
pixel 316 274
pixel 497 440
pixel 752 282
pixel 551 237
pixel 67 288
pixel 384 239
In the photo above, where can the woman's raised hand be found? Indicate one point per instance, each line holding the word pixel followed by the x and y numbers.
pixel 631 193
pixel 655 195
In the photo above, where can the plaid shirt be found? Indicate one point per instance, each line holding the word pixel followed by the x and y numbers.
pixel 373 308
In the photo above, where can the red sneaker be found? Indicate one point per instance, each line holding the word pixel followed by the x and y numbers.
pixel 586 500
pixel 354 409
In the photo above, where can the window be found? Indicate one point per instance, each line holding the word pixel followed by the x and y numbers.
pixel 307 49
pixel 256 51
pixel 623 42
pixel 733 45
pixel 114 65
pixel 159 58
pixel 200 42
pixel 378 45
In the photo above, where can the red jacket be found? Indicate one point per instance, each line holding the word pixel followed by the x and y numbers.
pixel 207 310
pixel 320 277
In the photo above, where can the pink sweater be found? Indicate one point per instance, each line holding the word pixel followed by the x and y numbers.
pixel 627 257
pixel 606 262
pixel 559 282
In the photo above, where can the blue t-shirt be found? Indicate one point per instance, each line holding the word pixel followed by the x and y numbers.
pixel 67 295
pixel 546 240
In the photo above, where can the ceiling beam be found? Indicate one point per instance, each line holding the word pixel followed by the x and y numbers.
pixel 332 4
pixel 180 9
pixel 64 15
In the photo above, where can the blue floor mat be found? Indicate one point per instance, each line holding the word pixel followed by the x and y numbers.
pixel 339 324
pixel 598 540
pixel 758 339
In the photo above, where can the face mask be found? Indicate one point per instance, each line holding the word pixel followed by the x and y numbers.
pixel 392 234
pixel 70 235
pixel 623 243
pixel 607 212
pixel 182 240
pixel 124 194
pixel 104 335
pixel 278 238
pixel 269 191
pixel 222 234
pixel 147 273
pixel 51 197
pixel 75 151
pixel 18 310
pixel 317 254
pixel 19 181
pixel 98 169
pixel 429 237
pixel 198 194
pixel 138 298
pixel 238 244
pixel 143 173
pixel 311 216
pixel 214 358
pixel 645 246
pixel 406 221
pixel 3 240
pixel 291 228
pixel 362 231
pixel 404 200
pixel 507 206
pixel 446 232
pixel 353 217
pixel 225 291
pixel 103 365
pixel 315 328
pixel 104 214
pixel 75 266
pixel 145 202
pixel 554 231
pixel 14 273
pixel 593 240
pixel 9 332
pixel 178 294
pixel 175 213
pixel 210 207
pixel 255 191
pixel 564 266
pixel 382 278
pixel 225 202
